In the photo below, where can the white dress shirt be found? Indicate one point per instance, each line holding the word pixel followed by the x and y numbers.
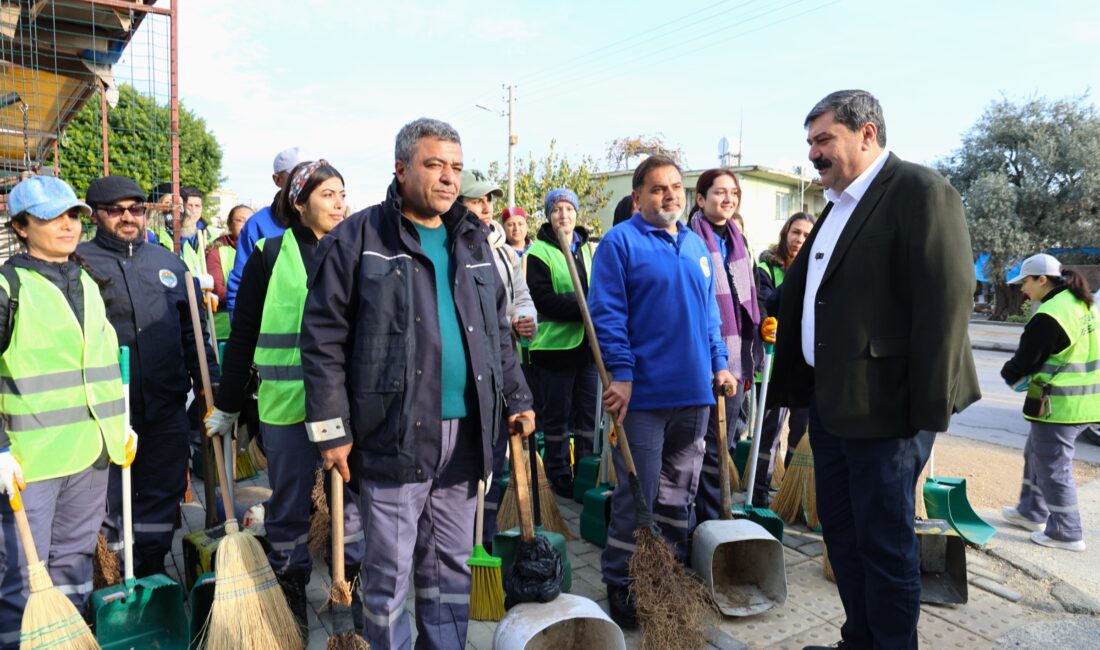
pixel 844 204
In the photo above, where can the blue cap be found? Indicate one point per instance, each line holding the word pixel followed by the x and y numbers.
pixel 554 197
pixel 44 197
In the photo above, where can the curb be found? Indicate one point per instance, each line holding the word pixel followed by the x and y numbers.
pixel 993 347
pixel 1072 599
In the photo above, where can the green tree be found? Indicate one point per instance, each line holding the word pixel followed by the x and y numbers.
pixel 1029 174
pixel 139 144
pixel 535 178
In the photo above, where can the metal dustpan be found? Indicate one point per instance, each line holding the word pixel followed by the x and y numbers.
pixel 942 563
pixel 945 498
pixel 568 621
pixel 741 563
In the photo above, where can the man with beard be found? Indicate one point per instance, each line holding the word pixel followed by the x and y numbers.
pixel 147 305
pixel 645 270
pixel 873 339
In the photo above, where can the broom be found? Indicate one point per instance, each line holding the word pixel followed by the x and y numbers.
pixel 487 586
pixel 105 571
pixel 319 520
pixel 249 609
pixel 49 619
pixel 549 514
pixel 674 608
pixel 797 497
pixel 343 635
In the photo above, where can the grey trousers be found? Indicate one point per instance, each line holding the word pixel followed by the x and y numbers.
pixel 1049 493
pixel 426 529
pixel 292 461
pixel 65 514
pixel 667 446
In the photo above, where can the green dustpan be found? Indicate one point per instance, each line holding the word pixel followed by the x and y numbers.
pixel 945 498
pixel 145 613
pixel 767 519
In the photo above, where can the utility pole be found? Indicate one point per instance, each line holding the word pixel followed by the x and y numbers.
pixel 513 140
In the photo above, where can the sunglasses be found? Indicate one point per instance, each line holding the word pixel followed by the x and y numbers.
pixel 115 211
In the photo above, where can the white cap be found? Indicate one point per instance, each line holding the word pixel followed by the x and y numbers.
pixel 1041 264
pixel 286 160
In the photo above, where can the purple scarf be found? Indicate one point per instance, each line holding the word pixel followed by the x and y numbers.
pixel 739 326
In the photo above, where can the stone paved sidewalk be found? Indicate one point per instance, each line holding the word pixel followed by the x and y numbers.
pixel 1007 608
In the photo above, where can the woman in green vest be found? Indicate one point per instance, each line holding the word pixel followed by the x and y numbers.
pixel 62 408
pixel 774 262
pixel 219 262
pixel 1058 364
pixel 565 388
pixel 267 318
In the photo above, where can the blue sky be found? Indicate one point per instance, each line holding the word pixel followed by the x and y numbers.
pixel 340 78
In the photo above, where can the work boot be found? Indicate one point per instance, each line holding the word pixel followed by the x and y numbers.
pixel 623 606
pixel 351 574
pixel 839 645
pixel 293 584
pixel 563 486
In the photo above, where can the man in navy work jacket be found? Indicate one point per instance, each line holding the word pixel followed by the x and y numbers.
pixel 644 270
pixel 147 304
pixel 408 361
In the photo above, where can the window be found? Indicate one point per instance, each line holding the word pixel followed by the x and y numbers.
pixel 782 206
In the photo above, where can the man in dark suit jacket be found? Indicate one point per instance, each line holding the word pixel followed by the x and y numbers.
pixel 873 338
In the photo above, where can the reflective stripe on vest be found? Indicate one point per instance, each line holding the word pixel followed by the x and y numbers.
pixel 556 334
pixel 61 394
pixel 1073 373
pixel 282 395
pixel 222 326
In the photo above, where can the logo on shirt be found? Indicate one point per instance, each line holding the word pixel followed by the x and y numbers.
pixel 168 279
pixel 704 264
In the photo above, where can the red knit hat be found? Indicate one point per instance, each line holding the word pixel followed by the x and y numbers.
pixel 512 212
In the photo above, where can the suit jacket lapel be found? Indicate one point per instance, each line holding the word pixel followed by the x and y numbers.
pixel 863 210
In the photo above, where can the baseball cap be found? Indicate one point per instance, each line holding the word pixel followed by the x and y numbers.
pixel 1041 264
pixel 45 197
pixel 512 212
pixel 476 185
pixel 286 160
pixel 109 189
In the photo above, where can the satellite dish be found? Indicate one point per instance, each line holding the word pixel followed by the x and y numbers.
pixel 723 146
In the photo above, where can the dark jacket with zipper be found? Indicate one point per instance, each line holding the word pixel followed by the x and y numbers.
pixel 553 306
pixel 147 305
pixel 371 347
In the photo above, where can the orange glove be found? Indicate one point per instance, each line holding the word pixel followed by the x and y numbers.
pixel 767 329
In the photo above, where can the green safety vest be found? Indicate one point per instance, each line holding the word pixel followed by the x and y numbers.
pixel 1073 373
pixel 556 334
pixel 776 273
pixel 189 255
pixel 282 395
pixel 61 393
pixel 227 254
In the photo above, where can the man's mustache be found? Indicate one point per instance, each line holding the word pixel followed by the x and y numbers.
pixel 822 163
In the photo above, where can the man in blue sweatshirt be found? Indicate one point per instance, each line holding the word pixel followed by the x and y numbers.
pixel 663 370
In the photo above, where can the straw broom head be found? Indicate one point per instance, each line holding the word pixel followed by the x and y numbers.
pixel 105 571
pixel 549 513
pixel 340 595
pixel 249 610
pixel 320 520
pixel 797 487
pixel 49 619
pixel 673 607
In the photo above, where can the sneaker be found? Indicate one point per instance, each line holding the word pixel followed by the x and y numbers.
pixel 1013 516
pixel 1041 539
pixel 622 606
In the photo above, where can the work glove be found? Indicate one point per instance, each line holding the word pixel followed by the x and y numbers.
pixel 767 329
pixel 131 447
pixel 219 423
pixel 206 281
pixel 11 473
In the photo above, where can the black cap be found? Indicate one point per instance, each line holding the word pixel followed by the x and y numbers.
pixel 160 190
pixel 106 190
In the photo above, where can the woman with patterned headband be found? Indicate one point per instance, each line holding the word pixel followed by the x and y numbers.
pixel 266 324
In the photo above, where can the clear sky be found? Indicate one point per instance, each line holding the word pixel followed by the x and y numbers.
pixel 339 78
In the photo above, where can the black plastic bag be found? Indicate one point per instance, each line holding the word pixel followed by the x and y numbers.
pixel 536 574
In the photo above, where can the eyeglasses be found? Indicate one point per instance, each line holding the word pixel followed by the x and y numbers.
pixel 115 211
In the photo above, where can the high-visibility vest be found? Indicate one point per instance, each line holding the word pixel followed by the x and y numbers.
pixel 1073 373
pixel 556 334
pixel 189 255
pixel 776 273
pixel 60 388
pixel 227 255
pixel 282 394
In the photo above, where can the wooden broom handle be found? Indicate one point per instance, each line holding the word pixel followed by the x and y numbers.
pixel 523 486
pixel 336 514
pixel 24 526
pixel 208 394
pixel 723 457
pixel 590 331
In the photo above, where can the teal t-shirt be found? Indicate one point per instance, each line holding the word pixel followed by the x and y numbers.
pixel 455 375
